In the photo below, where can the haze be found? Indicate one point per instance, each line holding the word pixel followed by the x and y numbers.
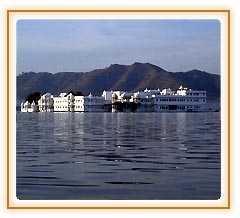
pixel 83 45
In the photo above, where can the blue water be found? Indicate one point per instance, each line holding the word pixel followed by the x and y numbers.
pixel 127 156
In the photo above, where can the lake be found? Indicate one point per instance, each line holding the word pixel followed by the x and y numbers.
pixel 119 156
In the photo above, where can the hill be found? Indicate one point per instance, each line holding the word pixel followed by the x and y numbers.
pixel 135 77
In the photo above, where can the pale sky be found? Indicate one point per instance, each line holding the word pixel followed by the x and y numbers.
pixel 83 45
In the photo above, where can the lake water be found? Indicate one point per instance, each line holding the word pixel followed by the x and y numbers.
pixel 129 156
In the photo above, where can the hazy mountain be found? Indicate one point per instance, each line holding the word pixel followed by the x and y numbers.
pixel 135 77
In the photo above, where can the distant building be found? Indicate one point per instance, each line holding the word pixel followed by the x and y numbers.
pixel 144 100
pixel 45 103
pixel 27 107
pixel 64 102
pixel 90 103
pixel 166 100
pixel 71 103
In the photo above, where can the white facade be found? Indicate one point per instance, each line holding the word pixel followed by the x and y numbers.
pixel 182 100
pixel 149 92
pixel 27 107
pixel 45 103
pixel 61 103
pixel 166 100
pixel 89 104
pixel 71 103
pixel 108 95
pixel 167 92
pixel 144 101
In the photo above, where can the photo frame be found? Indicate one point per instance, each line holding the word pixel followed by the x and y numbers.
pixel 222 15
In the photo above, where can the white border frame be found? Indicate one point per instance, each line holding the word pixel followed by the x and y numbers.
pixel 223 202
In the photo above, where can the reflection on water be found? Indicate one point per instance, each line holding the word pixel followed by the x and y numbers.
pixel 118 156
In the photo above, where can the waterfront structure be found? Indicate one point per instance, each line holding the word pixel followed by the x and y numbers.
pixel 27 107
pixel 120 101
pixel 183 99
pixel 166 100
pixel 45 103
pixel 89 103
pixel 63 102
pixel 79 103
pixel 144 99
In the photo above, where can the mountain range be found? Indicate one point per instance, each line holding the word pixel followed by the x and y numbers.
pixel 134 77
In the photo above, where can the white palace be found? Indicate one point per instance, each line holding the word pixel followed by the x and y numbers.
pixel 166 100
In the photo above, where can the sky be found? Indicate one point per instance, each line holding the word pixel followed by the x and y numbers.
pixel 83 45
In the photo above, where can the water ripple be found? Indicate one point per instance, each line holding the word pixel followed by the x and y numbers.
pixel 118 156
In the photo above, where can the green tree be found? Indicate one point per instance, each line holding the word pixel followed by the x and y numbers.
pixel 35 96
